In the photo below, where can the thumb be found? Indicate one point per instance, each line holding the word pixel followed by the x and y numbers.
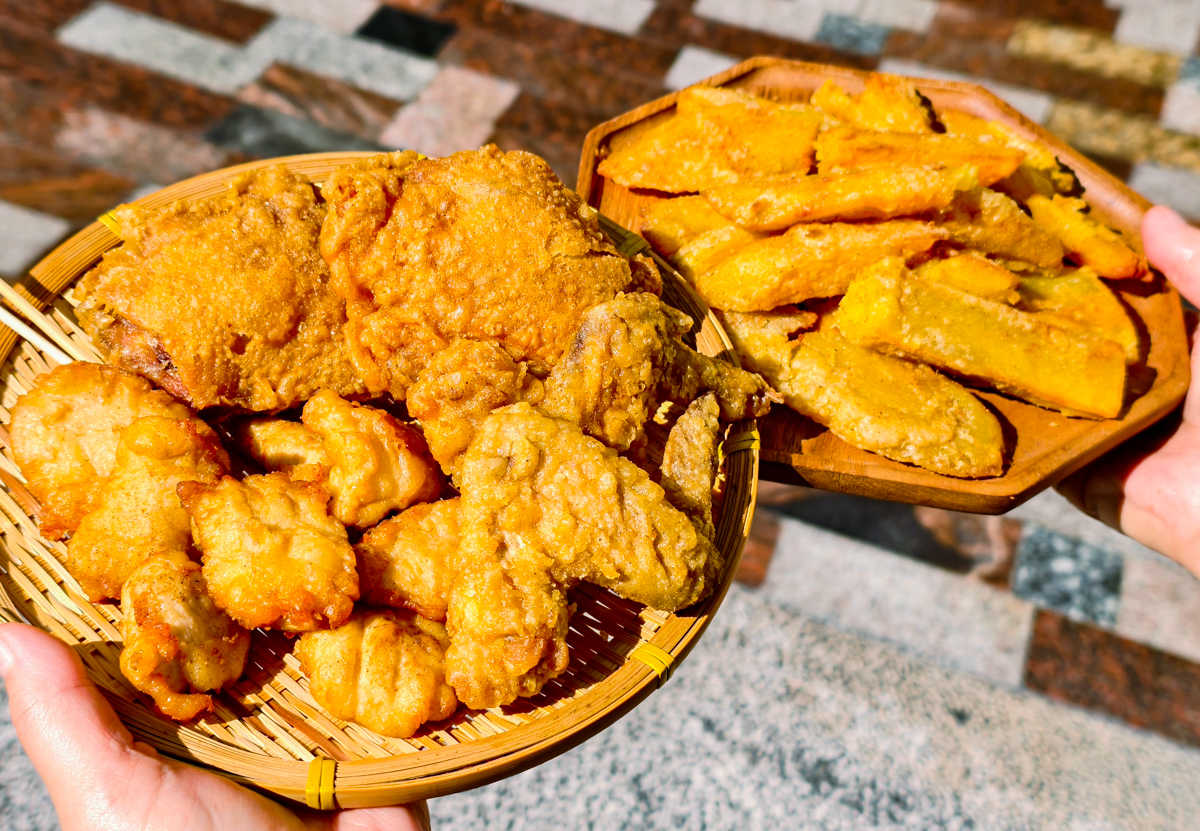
pixel 1173 247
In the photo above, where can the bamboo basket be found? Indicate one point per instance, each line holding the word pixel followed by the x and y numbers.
pixel 266 731
pixel 1044 446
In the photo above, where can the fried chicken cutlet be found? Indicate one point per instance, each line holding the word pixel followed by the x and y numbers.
pixel 543 507
pixel 223 301
pixel 65 433
pixel 482 244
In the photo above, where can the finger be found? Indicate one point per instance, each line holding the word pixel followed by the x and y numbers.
pixel 1173 247
pixel 413 817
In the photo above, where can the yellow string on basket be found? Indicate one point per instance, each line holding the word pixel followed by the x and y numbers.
pixel 110 222
pixel 318 793
pixel 748 440
pixel 658 659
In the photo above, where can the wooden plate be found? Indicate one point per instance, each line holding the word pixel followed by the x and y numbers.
pixel 1044 446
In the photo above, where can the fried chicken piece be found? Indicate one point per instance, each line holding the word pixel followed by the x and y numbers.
pixel 138 512
pixel 382 669
pixel 544 507
pixel 178 644
pixel 286 446
pixel 273 557
pixel 223 301
pixel 689 463
pixel 627 358
pixel 483 244
pixel 377 464
pixel 404 561
pixel 65 433
pixel 459 388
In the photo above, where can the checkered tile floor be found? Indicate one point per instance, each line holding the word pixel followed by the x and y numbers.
pixel 103 100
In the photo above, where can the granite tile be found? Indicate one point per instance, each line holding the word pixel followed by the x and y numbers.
pixel 457 111
pixel 332 104
pixel 24 803
pixel 792 19
pixel 694 64
pixel 1032 104
pixel 1160 604
pixel 46 182
pixel 1055 572
pixel 1181 108
pixel 1091 51
pixel 546 74
pixel 622 16
pixel 259 133
pixel 25 235
pixel 759 549
pixel 133 149
pixel 913 15
pixel 556 121
pixel 1105 132
pixel 1167 25
pixel 1052 511
pixel 949 619
pixel 29 114
pixel 76 76
pixel 588 45
pixel 344 16
pixel 413 32
pixel 850 34
pixel 562 157
pixel 1168 186
pixel 961 40
pixel 45 15
pixel 221 18
pixel 1142 686
pixel 1190 71
pixel 1093 14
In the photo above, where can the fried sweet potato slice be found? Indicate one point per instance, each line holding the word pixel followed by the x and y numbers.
pixel 1014 351
pixel 994 224
pixel 1089 242
pixel 973 274
pixel 716 139
pixel 844 148
pixel 901 410
pixel 1041 171
pixel 809 261
pixel 670 224
pixel 872 193
pixel 1080 300
pixel 887 104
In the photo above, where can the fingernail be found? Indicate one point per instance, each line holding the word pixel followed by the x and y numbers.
pixel 6 655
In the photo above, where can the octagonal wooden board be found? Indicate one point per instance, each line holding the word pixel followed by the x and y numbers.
pixel 1043 446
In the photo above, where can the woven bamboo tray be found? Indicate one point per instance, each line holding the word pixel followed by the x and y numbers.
pixel 267 732
pixel 1044 446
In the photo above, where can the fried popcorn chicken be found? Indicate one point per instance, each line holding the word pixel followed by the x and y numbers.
pixel 901 410
pixel 282 445
pixel 273 557
pixel 544 507
pixel 716 137
pixel 887 104
pixel 1079 300
pixel 377 464
pixel 873 193
pixel 809 261
pixel 627 359
pixel 137 511
pixel 178 644
pixel 1087 241
pixel 65 433
pixel 382 669
pixel 689 463
pixel 405 561
pixel 223 301
pixel 484 245
pixel 459 388
pixel 973 274
pixel 1014 351
pixel 994 224
pixel 844 148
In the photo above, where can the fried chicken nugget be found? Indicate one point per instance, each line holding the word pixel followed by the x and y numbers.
pixel 138 512
pixel 405 561
pixel 887 104
pixel 65 433
pixel 844 148
pixel 382 669
pixel 178 644
pixel 286 446
pixel 544 507
pixel 273 556
pixel 378 464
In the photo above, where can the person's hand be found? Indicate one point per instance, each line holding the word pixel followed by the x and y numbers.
pixel 100 779
pixel 1149 488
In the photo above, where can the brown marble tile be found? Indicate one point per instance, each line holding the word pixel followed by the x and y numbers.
pixel 330 103
pixel 28 114
pixel 964 41
pixel 760 548
pixel 42 14
pixel 550 75
pixel 222 18
pixel 1091 668
pixel 1094 14
pixel 49 183
pixel 586 44
pixel 36 58
pixel 562 156
pixel 555 120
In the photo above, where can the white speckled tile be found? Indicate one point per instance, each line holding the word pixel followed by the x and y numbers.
pixel 342 16
pixel 1169 25
pixel 1181 107
pixel 796 19
pixel 622 16
pixel 1168 186
pixel 695 63
pixel 457 111
pixel 1032 104
pixel 24 236
pixel 1160 606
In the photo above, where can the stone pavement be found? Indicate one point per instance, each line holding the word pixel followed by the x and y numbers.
pixel 879 666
